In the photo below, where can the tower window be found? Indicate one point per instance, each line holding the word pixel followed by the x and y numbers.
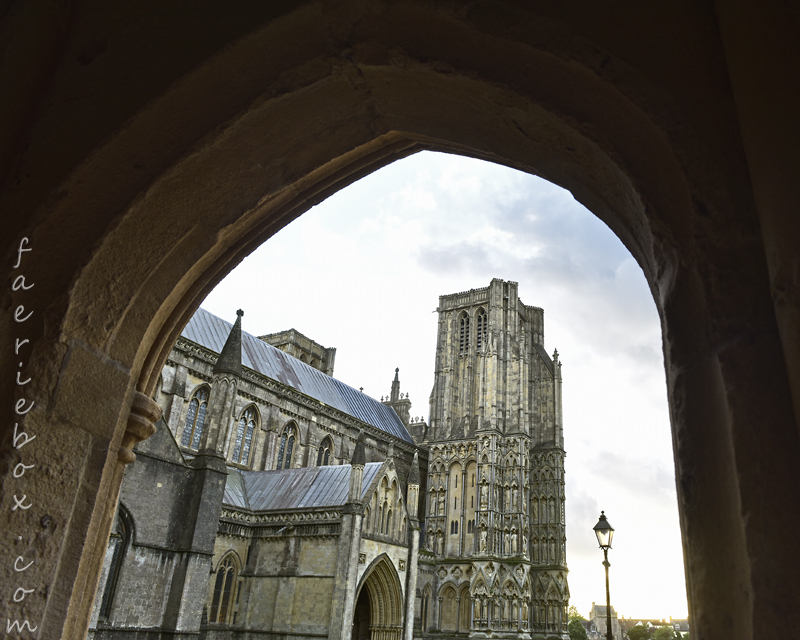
pixel 480 336
pixel 195 420
pixel 463 343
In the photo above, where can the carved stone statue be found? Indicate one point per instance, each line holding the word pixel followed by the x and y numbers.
pixel 513 542
pixel 441 503
pixel 484 496
pixel 483 540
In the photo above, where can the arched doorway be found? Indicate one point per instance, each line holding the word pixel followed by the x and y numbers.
pixel 362 618
pixel 137 210
pixel 378 613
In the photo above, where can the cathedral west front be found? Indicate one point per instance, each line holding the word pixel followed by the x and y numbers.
pixel 276 501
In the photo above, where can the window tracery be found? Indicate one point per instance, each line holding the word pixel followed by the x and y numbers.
pixel 481 329
pixel 195 419
pixel 325 452
pixel 226 592
pixel 463 341
pixel 286 447
pixel 244 437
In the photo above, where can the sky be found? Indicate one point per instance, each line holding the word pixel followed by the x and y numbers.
pixel 363 272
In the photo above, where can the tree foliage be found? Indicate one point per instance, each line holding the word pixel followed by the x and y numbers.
pixel 664 633
pixel 638 633
pixel 573 614
pixel 576 630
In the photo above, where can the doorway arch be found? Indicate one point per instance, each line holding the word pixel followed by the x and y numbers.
pixel 379 602
pixel 161 197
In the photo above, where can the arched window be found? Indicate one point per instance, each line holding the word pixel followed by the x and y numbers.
pixel 463 340
pixel 117 546
pixel 195 419
pixel 287 447
pixel 482 328
pixel 325 452
pixel 244 437
pixel 426 604
pixel 225 595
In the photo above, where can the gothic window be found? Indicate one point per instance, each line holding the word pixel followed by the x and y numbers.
pixel 222 600
pixel 480 335
pixel 244 437
pixel 286 447
pixel 118 544
pixel 195 419
pixel 325 452
pixel 463 339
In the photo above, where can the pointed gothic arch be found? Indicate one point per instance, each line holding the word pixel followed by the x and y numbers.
pixel 384 599
pixel 448 608
pixel 481 329
pixel 325 452
pixel 224 592
pixel 287 446
pixel 675 190
pixel 195 418
pixel 243 437
pixel 463 332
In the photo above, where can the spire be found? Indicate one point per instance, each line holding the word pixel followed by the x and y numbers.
pixel 413 475
pixel 359 453
pixel 396 386
pixel 230 358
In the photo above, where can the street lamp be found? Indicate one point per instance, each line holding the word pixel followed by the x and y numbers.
pixel 604 532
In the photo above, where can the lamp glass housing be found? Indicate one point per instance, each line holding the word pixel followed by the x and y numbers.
pixel 604 532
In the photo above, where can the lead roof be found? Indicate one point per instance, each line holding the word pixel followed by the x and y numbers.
pixel 211 332
pixel 303 488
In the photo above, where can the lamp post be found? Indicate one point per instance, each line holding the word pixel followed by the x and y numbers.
pixel 604 532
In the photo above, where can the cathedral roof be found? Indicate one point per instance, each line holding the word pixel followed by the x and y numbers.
pixel 303 488
pixel 211 332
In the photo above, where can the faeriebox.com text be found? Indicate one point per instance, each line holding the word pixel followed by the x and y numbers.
pixel 21 499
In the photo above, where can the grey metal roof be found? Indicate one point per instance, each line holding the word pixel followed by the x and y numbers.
pixel 209 331
pixel 304 488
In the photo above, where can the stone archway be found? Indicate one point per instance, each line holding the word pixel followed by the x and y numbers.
pixel 380 602
pixel 151 154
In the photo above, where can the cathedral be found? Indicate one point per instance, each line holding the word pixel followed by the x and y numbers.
pixel 276 501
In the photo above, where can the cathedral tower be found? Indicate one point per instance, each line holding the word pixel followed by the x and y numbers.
pixel 494 527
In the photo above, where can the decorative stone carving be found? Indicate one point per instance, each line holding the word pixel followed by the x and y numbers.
pixel 145 412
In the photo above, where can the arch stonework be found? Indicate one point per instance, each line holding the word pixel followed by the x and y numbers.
pixel 140 191
pixel 385 597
